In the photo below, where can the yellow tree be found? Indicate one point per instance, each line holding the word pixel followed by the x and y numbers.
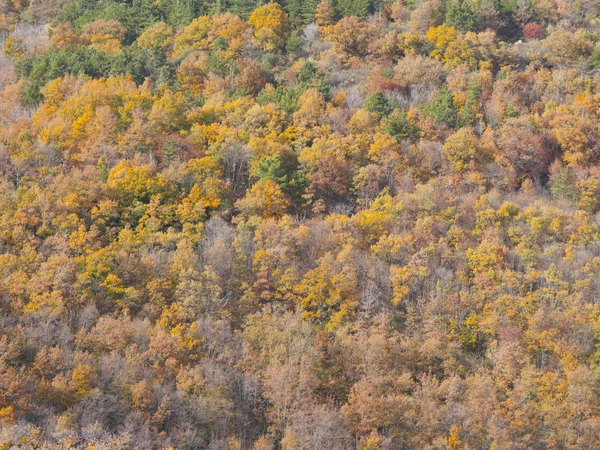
pixel 158 36
pixel 463 148
pixel 194 36
pixel 441 38
pixel 231 28
pixel 328 294
pixel 270 24
pixel 264 199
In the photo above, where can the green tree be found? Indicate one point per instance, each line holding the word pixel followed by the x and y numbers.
pixel 461 15
pixel 398 126
pixel 442 109
pixel 378 103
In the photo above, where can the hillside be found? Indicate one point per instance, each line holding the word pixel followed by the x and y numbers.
pixel 345 225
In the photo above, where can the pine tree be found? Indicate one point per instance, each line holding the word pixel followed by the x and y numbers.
pixel 359 8
pixel 379 104
pixel 307 13
pixel 460 15
pixel 244 8
pixel 441 109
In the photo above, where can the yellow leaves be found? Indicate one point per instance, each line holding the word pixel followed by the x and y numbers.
pixel 583 231
pixel 324 14
pixel 375 221
pixel 157 36
pixel 194 36
pixel 189 340
pixel 393 247
pixel 311 107
pixel 488 218
pixel 462 52
pixel 383 143
pixel 572 130
pixel 78 111
pixel 371 442
pixel 53 301
pixel 168 111
pixel 113 284
pixel 460 49
pixel 231 28
pixel 372 223
pixel 463 148
pixel 7 414
pixel 453 441
pixel 193 207
pixel 264 199
pixel 441 37
pixel 328 293
pixel 83 379
pixel 362 122
pixel 486 259
pixel 137 182
pixel 589 194
pixel 14 47
pixel 270 24
pixel 403 279
pixel 192 72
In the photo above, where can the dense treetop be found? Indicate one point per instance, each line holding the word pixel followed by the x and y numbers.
pixel 356 224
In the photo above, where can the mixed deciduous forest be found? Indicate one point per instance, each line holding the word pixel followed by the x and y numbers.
pixel 334 225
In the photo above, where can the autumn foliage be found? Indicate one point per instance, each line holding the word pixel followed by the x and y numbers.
pixel 337 225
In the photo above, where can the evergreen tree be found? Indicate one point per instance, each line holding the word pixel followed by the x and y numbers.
pixel 398 126
pixel 461 15
pixel 359 8
pixel 308 11
pixel 441 109
pixel 379 104
pixel 467 114
pixel 244 8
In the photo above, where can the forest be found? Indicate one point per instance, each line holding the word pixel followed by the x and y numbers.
pixel 300 225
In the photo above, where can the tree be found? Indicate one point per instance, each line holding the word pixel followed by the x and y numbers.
pixel 379 104
pixel 360 8
pixel 104 35
pixel 156 37
pixel 324 14
pixel 463 148
pixel 460 14
pixel 400 127
pixel 441 109
pixel 264 199
pixel 328 294
pixel 194 36
pixel 441 37
pixel 350 35
pixel 270 24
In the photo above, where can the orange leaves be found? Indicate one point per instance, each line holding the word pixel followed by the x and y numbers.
pixel 192 72
pixel 350 35
pixel 75 111
pixel 104 35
